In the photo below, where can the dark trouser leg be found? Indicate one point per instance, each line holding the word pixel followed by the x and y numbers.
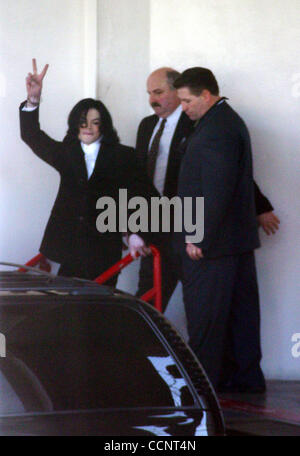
pixel 207 288
pixel 91 263
pixel 243 335
pixel 170 274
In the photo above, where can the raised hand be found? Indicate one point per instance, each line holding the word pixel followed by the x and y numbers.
pixel 34 84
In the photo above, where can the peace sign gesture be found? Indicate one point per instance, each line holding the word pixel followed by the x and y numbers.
pixel 34 84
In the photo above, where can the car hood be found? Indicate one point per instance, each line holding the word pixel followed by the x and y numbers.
pixel 151 422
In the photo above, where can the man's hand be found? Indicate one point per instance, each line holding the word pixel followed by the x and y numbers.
pixel 195 253
pixel 34 84
pixel 269 222
pixel 137 245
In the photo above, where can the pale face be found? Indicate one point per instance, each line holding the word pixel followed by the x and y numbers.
pixel 89 130
pixel 162 98
pixel 194 106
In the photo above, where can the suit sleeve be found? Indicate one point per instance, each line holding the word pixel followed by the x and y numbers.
pixel 262 203
pixel 219 172
pixel 41 144
pixel 141 146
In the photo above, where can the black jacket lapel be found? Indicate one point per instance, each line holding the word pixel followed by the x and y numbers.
pixel 105 162
pixel 77 160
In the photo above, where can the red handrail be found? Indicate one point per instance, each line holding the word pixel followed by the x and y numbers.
pixel 39 258
pixel 155 292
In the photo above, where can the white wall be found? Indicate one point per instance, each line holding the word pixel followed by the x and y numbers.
pixel 253 48
pixel 124 62
pixel 53 32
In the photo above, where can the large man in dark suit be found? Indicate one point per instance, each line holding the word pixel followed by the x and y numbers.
pixel 219 276
pixel 166 104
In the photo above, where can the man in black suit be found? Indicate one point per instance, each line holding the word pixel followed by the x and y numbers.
pixel 166 105
pixel 219 276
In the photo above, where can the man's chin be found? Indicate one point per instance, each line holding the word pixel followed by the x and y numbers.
pixel 157 110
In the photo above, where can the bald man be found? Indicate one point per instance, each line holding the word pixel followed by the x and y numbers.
pixel 176 129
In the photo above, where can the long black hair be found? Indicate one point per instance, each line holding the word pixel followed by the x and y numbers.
pixel 80 110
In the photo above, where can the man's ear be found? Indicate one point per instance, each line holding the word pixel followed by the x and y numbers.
pixel 206 94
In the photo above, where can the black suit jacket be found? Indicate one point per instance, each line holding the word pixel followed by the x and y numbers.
pixel 184 128
pixel 74 210
pixel 218 166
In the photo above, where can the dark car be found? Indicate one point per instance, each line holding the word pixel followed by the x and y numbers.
pixel 80 358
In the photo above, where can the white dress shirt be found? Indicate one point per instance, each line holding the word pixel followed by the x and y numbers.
pixel 90 155
pixel 164 147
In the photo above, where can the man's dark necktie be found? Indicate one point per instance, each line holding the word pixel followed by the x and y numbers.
pixel 153 152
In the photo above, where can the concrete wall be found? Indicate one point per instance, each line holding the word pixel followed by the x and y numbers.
pixel 124 61
pixel 53 32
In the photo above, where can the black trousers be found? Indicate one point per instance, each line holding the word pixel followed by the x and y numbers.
pixel 171 272
pixel 222 309
pixel 90 258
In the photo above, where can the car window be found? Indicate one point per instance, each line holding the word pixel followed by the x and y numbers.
pixel 85 355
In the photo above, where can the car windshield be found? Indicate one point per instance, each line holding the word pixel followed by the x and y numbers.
pixel 84 355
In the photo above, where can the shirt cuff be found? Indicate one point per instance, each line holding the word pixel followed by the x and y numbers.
pixel 29 108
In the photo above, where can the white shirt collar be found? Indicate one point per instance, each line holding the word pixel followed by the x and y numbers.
pixel 173 118
pixel 91 149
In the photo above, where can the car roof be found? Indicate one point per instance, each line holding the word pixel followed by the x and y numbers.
pixel 36 280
